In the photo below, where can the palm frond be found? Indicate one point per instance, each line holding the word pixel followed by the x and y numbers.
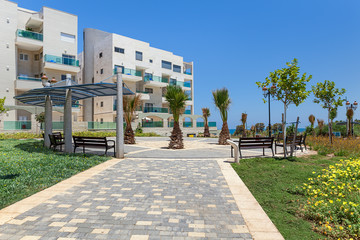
pixel 176 98
pixel 222 102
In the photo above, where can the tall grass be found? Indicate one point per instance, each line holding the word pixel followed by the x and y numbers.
pixel 347 147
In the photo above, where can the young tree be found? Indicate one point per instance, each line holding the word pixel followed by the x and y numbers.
pixel 312 121
pixel 243 121
pixel 239 130
pixel 2 108
pixel 290 88
pixel 206 114
pixel 329 97
pixel 176 98
pixel 320 125
pixel 130 104
pixel 259 127
pixel 222 102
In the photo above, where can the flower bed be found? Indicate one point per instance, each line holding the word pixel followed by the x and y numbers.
pixel 349 147
pixel 333 199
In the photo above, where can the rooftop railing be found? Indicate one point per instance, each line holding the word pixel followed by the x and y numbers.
pixel 61 60
pixel 28 34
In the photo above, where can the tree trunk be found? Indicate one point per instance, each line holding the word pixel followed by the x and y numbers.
pixel 244 131
pixel 176 138
pixel 224 134
pixel 329 127
pixel 284 131
pixel 129 136
pixel 206 130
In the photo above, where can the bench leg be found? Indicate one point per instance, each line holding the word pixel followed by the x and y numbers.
pixel 84 149
pixel 275 150
pixel 240 153
pixel 114 152
pixel 74 149
pixel 263 151
pixel 231 151
pixel 272 150
pixel 106 151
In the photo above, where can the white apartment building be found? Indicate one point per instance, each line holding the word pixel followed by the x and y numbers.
pixel 145 70
pixel 32 44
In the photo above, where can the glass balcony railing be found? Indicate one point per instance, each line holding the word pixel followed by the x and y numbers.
pixel 144 92
pixel 187 84
pixel 187 112
pixel 17 125
pixel 187 124
pixel 61 60
pixel 201 124
pixel 55 125
pixel 128 71
pixel 29 78
pixel 181 84
pixel 102 125
pixel 28 34
pixel 155 110
pixel 148 78
pixel 153 124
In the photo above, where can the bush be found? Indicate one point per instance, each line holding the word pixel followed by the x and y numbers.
pixel 19 135
pixel 348 147
pixel 333 200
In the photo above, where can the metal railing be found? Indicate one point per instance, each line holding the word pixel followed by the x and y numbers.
pixel 17 125
pixel 29 34
pixel 55 125
pixel 128 71
pixel 148 78
pixel 61 60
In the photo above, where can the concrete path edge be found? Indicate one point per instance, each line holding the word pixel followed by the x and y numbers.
pixel 259 224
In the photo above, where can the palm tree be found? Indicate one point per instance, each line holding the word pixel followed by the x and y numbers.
pixel 206 114
pixel 349 115
pixel 176 98
pixel 243 120
pixel 320 125
pixel 130 104
pixel 222 102
pixel 312 121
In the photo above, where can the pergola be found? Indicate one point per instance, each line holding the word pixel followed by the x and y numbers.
pixel 67 93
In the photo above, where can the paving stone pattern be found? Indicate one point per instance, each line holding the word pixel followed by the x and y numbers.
pixel 137 199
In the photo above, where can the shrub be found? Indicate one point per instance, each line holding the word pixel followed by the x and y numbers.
pixel 348 147
pixel 333 200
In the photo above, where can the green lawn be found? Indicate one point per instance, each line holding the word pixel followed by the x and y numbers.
pixel 273 183
pixel 26 167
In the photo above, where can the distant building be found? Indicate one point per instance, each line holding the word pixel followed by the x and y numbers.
pixel 32 44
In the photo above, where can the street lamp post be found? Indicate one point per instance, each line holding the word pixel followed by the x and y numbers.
pixel 267 94
pixel 352 106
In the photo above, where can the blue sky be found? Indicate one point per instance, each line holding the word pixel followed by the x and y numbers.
pixel 235 43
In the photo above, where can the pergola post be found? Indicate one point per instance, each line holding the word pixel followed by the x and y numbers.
pixel 68 117
pixel 119 148
pixel 48 121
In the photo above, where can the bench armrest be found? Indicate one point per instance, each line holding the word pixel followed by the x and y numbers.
pixel 111 141
pixel 236 147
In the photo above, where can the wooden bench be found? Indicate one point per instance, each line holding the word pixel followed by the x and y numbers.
pixel 289 140
pixel 94 142
pixel 255 143
pixel 56 139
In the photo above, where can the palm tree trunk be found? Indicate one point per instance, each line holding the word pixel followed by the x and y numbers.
pixel 224 134
pixel 206 130
pixel 176 138
pixel 129 136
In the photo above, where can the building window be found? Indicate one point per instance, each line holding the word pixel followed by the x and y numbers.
pixel 63 77
pixel 138 56
pixel 69 59
pixel 101 104
pixel 177 68
pixel 36 57
pixel 150 60
pixel 101 71
pixel 166 64
pixel 24 57
pixel 67 37
pixel 101 120
pixel 149 90
pixel 119 50
pixel 100 55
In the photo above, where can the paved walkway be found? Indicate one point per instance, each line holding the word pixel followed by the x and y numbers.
pixel 144 198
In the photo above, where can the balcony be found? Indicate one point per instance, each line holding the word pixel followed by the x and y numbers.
pixel 61 63
pixel 187 112
pixel 129 74
pixel 155 81
pixel 187 68
pixel 186 85
pixel 27 83
pixel 144 95
pixel 28 40
pixel 153 109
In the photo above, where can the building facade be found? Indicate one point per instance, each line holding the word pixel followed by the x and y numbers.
pixel 145 70
pixel 33 44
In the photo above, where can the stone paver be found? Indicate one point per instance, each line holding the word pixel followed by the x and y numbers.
pixel 137 199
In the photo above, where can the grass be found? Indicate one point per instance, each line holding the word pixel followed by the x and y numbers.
pixel 273 183
pixel 26 167
pixel 349 147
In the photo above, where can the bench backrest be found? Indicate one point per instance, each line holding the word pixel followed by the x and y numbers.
pixel 268 141
pixel 298 139
pixel 90 140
